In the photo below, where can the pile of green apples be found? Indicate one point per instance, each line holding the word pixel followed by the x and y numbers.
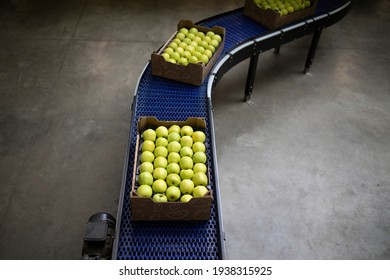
pixel 283 7
pixel 192 46
pixel 172 164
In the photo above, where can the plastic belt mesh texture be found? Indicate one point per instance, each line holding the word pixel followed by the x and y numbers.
pixel 170 100
pixel 168 240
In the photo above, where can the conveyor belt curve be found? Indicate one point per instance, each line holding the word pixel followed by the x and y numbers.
pixel 171 100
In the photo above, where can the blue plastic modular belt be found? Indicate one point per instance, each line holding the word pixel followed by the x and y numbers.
pixel 170 100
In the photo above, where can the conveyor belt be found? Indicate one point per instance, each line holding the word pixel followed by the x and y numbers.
pixel 170 100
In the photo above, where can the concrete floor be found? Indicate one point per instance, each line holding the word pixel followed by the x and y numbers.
pixel 304 171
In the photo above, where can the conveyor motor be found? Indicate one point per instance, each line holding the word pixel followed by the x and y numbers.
pixel 99 237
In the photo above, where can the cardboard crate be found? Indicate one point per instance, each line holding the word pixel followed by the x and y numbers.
pixel 145 209
pixel 192 73
pixel 272 19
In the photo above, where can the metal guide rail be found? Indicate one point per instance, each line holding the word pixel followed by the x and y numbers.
pixel 174 101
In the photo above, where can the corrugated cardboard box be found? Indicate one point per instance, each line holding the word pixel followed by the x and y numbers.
pixel 145 209
pixel 192 73
pixel 272 19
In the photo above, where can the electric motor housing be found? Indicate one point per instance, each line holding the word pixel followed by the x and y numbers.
pixel 99 237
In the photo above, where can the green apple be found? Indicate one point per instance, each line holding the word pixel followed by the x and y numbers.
pixel 187 186
pixel 148 145
pixel 199 136
pixel 160 173
pixel 204 58
pixel 199 191
pixel 186 141
pixel 190 36
pixel 186 174
pixel 169 51
pixel 180 36
pixel 182 61
pixel 161 151
pixel 173 146
pixel 159 186
pixel 186 163
pixel 173 45
pixel 194 44
pixel 186 54
pixel 173 180
pixel 208 53
pixel 171 60
pixel 145 178
pixel 160 197
pixel 190 48
pixel 174 128
pixel 214 43
pixel 165 56
pixel 207 39
pixel 210 34
pixel 177 41
pixel 193 30
pixel 186 151
pixel 186 198
pixel 179 50
pixel 211 48
pixel 162 131
pixel 173 193
pixel 145 191
pixel 146 166
pixel 173 136
pixel 193 59
pixel 200 49
pixel 173 167
pixel 197 39
pixel 217 38
pixel 199 167
pixel 203 44
pixel 187 41
pixel 183 45
pixel 183 30
pixel 197 55
pixel 198 147
pixel 200 34
pixel 296 7
pixel 186 130
pixel 283 12
pixel 175 56
pixel 161 141
pixel 199 157
pixel 173 157
pixel 149 134
pixel 160 162
pixel 147 157
pixel 200 178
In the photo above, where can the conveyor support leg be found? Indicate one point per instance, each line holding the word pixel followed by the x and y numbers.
pixel 312 50
pixel 251 76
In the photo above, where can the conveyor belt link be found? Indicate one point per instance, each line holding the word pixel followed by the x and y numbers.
pixel 170 100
